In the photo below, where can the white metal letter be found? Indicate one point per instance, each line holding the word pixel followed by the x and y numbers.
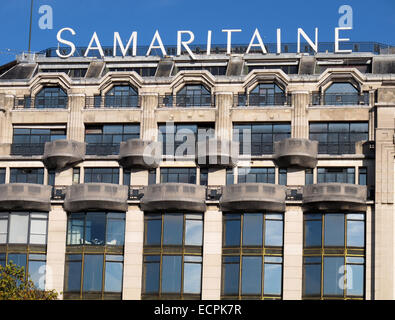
pixel 260 44
pixel 278 41
pixel 185 43
pixel 69 43
pixel 209 42
pixel 98 45
pixel 160 46
pixel 229 39
pixel 304 35
pixel 117 40
pixel 337 40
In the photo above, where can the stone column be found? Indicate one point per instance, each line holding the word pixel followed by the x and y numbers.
pixel 133 255
pixel 223 120
pixel 300 124
pixel 6 131
pixel 293 253
pixel 148 129
pixel 76 127
pixel 212 252
pixel 56 249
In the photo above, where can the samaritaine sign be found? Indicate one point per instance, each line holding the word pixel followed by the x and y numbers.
pixel 156 43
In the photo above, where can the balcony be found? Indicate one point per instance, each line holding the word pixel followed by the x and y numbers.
pixel 217 153
pixel 59 154
pixel 99 196
pixel 250 197
pixel 334 196
pixel 300 153
pixel 137 153
pixel 25 196
pixel 174 196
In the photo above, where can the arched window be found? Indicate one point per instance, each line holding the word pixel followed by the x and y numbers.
pixel 193 96
pixel 122 96
pixel 341 93
pixel 51 97
pixel 267 94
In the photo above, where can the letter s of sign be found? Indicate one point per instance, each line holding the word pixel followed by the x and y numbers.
pixel 346 19
pixel 46 20
pixel 69 43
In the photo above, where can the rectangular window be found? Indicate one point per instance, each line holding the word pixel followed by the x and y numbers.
pixel 151 274
pixel 203 177
pixel 18 227
pixel 309 178
pixel 101 175
pixel 312 276
pixel 272 282
pixel 93 272
pixel 51 177
pixel 3 227
pixel 192 274
pixel 27 175
pixel 76 175
pixel 251 276
pixel 338 137
pixel 362 176
pixel 126 177
pixel 37 264
pixel 335 174
pixel 171 274
pixel 178 175
pixel 38 228
pixel 73 273
pixel 256 175
pixel 258 139
pixel 113 273
pixel 115 233
pixel 2 175
pixel 152 176
pixel 230 178
pixel 172 229
pixel 230 275
pixel 282 177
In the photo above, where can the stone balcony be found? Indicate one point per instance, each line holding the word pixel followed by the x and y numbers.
pixel 174 196
pixel 137 153
pixel 25 196
pixel 100 196
pixel 334 196
pixel 60 154
pixel 251 197
pixel 294 152
pixel 217 153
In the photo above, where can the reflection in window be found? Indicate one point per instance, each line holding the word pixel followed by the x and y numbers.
pixel 96 228
pixel 337 269
pixel 341 93
pixel 267 94
pixel 258 138
pixel 177 269
pixel 51 97
pixel 121 96
pixel 250 235
pixel 193 96
pixel 27 175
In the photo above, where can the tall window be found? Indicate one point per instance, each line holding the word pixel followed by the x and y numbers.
pixel 101 175
pixel 172 255
pixel 256 175
pixel 178 175
pixel 180 139
pixel 333 174
pixel 30 141
pixel 121 96
pixel 106 139
pixel 266 94
pixel 193 96
pixel 341 93
pixel 51 97
pixel 252 255
pixel 334 256
pixel 338 137
pixel 27 175
pixel 258 138
pixel 2 175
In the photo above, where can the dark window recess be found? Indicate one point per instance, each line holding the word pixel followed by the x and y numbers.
pixel 264 94
pixel 333 174
pixel 121 96
pixel 256 175
pixel 72 73
pixel 363 176
pixel 214 70
pixel 142 71
pixel 178 175
pixel 27 142
pixel 290 69
pixel 76 175
pixel 260 137
pixel 338 137
pixel 51 177
pixel 51 98
pixel 230 177
pixel 309 177
pixel 152 176
pixel 193 96
pixel 2 175
pixel 282 176
pixel 27 175
pixel 341 93
pixel 126 177
pixel 101 175
pixel 106 139
pixel 203 177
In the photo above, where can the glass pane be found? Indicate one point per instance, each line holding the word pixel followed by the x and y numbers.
pixel 115 232
pixel 151 279
pixel 231 278
pixel 232 232
pixel 273 233
pixel 172 229
pixel 355 280
pixel 37 273
pixel 171 274
pixel 193 232
pixel 95 228
pixel 38 231
pixel 73 276
pixel 272 279
pixel 252 229
pixel 312 280
pixel 334 230
pixel 251 278
pixel 75 232
pixel 18 259
pixel 313 233
pixel 113 277
pixel 192 277
pixel 3 227
pixel 355 233
pixel 19 223
pixel 333 276
pixel 93 273
pixel 153 231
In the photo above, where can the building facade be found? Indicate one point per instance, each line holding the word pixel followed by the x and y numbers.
pixel 107 192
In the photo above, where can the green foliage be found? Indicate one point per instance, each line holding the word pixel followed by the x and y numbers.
pixel 15 286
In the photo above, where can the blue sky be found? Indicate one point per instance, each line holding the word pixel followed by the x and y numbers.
pixel 372 20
